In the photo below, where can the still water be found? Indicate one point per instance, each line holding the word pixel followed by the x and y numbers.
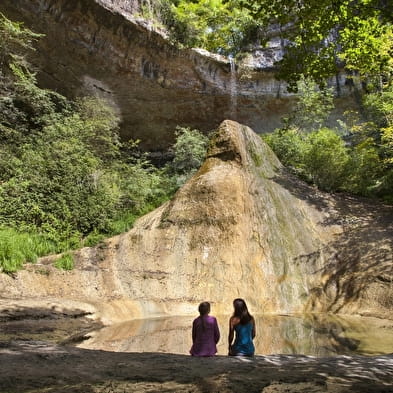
pixel 316 335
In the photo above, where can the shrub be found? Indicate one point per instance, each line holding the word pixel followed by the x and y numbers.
pixel 364 169
pixel 189 153
pixel 65 262
pixel 312 108
pixel 190 150
pixel 326 159
pixel 289 145
pixel 17 248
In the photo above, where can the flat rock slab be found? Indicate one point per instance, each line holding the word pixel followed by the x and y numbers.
pixel 37 366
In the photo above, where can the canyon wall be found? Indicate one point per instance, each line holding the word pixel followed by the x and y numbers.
pixel 240 227
pixel 104 48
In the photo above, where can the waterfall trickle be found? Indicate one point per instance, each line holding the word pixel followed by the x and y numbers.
pixel 232 88
pixel 149 11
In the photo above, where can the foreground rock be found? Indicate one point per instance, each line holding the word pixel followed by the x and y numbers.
pixel 32 320
pixel 242 226
pixel 36 367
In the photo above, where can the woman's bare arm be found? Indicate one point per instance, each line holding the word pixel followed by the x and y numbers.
pixel 193 331
pixel 231 333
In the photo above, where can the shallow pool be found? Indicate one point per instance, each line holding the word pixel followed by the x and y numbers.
pixel 316 335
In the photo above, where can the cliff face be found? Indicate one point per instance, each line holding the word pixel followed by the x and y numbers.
pixel 241 227
pixel 100 47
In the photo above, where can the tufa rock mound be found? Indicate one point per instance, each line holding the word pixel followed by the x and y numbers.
pixel 240 227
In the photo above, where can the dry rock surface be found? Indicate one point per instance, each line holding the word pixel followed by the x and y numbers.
pixel 38 367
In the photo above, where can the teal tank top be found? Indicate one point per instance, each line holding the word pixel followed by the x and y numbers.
pixel 243 344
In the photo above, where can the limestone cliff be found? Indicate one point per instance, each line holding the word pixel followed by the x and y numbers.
pixel 101 47
pixel 240 227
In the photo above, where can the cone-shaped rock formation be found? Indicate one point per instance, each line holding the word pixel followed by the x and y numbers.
pixel 240 227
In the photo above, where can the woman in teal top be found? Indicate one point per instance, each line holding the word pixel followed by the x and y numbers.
pixel 243 324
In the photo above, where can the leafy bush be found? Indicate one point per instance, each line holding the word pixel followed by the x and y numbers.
pixel 379 110
pixel 65 262
pixel 360 162
pixel 57 179
pixel 189 153
pixel 320 157
pixel 326 159
pixel 190 149
pixel 313 106
pixel 364 169
pixel 64 175
pixel 17 248
pixel 289 145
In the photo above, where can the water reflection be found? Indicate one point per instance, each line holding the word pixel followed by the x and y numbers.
pixel 317 335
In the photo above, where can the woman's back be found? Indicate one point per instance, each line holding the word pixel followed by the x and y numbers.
pixel 205 336
pixel 243 344
pixel 243 324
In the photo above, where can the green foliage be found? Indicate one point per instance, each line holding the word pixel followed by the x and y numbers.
pixel 321 35
pixel 190 149
pixel 63 172
pixel 379 108
pixel 65 262
pixel 93 238
pixel 387 144
pixel 293 146
pixel 322 32
pixel 157 12
pixel 216 25
pixel 289 145
pixel 326 159
pixel 14 39
pixel 319 157
pixel 373 55
pixel 57 178
pixel 189 153
pixel 361 165
pixel 313 106
pixel 17 248
pixel 123 222
pixel 365 169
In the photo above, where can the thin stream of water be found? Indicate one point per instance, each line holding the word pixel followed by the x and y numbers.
pixel 233 88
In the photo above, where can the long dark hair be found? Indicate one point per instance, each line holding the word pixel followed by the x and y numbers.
pixel 204 309
pixel 241 311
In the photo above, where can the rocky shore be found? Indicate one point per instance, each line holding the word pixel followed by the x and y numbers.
pixel 34 366
pixel 38 354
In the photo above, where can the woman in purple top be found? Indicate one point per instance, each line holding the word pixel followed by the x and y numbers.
pixel 205 333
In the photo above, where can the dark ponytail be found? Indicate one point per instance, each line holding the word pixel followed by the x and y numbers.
pixel 204 309
pixel 241 311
